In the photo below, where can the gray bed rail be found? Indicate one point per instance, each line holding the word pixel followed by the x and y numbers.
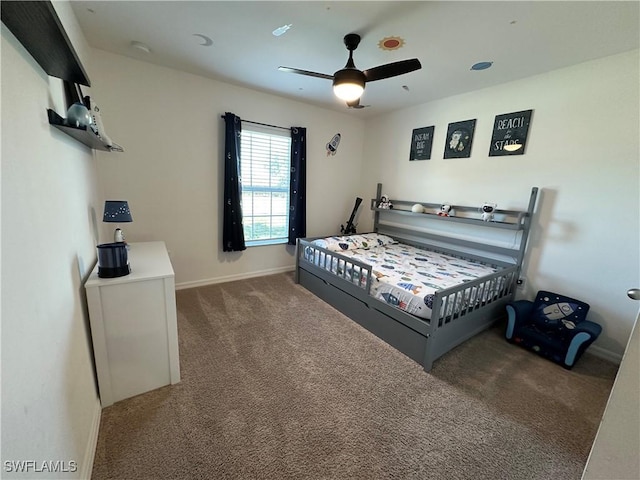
pixel 455 302
pixel 448 304
pixel 350 270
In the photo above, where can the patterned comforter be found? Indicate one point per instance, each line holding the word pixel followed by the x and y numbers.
pixel 405 277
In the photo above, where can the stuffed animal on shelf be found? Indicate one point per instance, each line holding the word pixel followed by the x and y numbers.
pixel 385 203
pixel 417 208
pixel 445 210
pixel 487 211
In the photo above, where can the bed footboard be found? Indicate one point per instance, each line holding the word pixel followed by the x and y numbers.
pixel 465 310
pixel 456 302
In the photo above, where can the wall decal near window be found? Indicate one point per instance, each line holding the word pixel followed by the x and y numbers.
pixel 459 139
pixel 510 132
pixel 421 142
pixel 332 146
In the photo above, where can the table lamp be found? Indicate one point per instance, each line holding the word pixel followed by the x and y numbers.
pixel 117 211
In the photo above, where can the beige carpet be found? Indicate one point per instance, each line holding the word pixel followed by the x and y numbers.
pixel 276 384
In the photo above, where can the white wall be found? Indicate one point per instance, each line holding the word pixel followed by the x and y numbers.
pixel 50 407
pixel 171 172
pixel 582 152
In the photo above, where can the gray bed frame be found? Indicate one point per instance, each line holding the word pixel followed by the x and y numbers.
pixel 424 340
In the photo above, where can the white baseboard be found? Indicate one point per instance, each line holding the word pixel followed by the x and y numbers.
pixel 605 354
pixel 90 452
pixel 232 278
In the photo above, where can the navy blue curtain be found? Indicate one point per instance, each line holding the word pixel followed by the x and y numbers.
pixel 232 232
pixel 298 185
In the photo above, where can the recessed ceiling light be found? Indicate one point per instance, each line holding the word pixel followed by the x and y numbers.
pixel 143 47
pixel 481 65
pixel 281 30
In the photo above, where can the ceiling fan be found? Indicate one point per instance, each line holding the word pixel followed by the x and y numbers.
pixel 348 83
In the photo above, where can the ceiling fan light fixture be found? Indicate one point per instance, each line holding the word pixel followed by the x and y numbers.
pixel 348 91
pixel 348 84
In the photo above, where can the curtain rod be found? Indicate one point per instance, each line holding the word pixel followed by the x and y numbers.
pixel 263 124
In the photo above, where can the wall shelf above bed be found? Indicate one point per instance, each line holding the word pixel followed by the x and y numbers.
pixel 516 221
pixel 517 225
pixel 509 219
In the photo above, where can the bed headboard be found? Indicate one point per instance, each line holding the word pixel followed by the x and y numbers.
pixel 501 241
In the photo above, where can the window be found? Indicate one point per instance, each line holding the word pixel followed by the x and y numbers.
pixel 265 169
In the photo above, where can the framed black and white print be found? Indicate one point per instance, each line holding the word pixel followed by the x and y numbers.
pixel 421 142
pixel 510 132
pixel 459 139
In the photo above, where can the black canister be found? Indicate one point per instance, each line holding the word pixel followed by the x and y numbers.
pixel 113 260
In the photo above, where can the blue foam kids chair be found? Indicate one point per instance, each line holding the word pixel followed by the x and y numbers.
pixel 553 326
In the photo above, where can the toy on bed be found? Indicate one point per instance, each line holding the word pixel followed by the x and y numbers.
pixel 445 210
pixel 385 203
pixel 487 211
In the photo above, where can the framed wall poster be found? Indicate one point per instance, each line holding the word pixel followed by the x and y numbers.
pixel 459 139
pixel 421 142
pixel 510 132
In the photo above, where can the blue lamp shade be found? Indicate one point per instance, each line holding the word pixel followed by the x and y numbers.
pixel 116 211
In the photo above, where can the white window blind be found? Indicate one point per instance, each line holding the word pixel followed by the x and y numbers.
pixel 265 169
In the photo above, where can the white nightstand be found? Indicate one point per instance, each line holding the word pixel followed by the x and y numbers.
pixel 134 325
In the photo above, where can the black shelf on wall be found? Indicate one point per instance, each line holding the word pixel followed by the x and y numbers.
pixel 37 27
pixel 82 134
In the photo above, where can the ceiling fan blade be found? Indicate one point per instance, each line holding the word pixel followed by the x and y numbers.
pixel 305 72
pixel 392 69
pixel 356 104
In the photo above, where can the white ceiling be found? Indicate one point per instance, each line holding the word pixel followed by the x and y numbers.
pixel 521 39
